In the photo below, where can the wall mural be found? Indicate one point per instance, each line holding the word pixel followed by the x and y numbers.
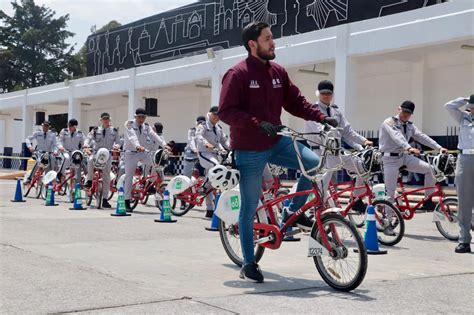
pixel 191 29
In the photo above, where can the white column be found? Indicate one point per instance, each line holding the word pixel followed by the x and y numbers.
pixel 216 79
pixel 3 135
pixel 417 93
pixel 346 74
pixel 135 97
pixel 74 107
pixel 27 117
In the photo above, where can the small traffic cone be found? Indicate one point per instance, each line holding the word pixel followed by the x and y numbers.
pixel 50 196
pixel 289 238
pixel 77 198
pixel 165 216
pixel 18 193
pixel 120 210
pixel 215 220
pixel 370 238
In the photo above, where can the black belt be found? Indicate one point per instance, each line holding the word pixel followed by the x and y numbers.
pixel 315 147
pixel 392 154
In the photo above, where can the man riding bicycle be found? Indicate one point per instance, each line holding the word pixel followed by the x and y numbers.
pixel 252 97
pixel 395 132
pixel 137 133
pixel 46 142
pixel 104 136
pixel 69 140
pixel 210 138
pixel 325 95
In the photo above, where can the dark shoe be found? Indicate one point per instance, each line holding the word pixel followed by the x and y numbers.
pixel 359 206
pixel 106 204
pixel 128 208
pixel 209 213
pixel 88 184
pixel 429 205
pixel 302 221
pixel 463 248
pixel 251 272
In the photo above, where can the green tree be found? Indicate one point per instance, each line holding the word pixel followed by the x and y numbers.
pixel 81 56
pixel 33 51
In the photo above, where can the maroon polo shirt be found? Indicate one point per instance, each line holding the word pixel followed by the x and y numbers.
pixel 253 92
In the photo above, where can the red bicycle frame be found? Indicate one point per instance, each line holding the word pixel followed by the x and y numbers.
pixel 145 185
pixel 403 203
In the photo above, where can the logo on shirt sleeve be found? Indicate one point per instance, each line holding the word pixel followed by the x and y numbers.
pixel 254 84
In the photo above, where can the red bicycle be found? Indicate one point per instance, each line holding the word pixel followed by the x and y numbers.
pixel 146 185
pixel 336 246
pixel 114 173
pixel 67 184
pixel 36 181
pixel 96 191
pixel 445 213
pixel 389 220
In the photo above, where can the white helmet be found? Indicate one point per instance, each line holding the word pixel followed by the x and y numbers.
pixel 101 158
pixel 77 157
pixel 444 165
pixel 223 178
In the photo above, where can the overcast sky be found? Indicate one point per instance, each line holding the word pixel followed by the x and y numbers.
pixel 85 13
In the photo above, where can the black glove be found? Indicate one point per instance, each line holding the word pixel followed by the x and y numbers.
pixel 330 121
pixel 269 129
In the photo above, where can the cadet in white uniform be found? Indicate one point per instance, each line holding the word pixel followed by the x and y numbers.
pixel 325 95
pixel 394 136
pixel 464 168
pixel 104 136
pixel 45 142
pixel 69 140
pixel 210 136
pixel 136 134
pixel 190 151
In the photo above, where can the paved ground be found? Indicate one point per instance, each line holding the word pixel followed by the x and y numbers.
pixel 54 260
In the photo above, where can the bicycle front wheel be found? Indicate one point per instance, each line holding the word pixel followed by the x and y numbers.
pixel 99 194
pixel 389 221
pixel 448 219
pixel 343 269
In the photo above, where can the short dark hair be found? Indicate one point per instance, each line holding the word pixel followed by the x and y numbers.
pixel 73 122
pixel 251 32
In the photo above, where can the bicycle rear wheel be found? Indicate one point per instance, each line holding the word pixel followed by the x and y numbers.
pixel 345 268
pixel 178 206
pixel 229 234
pixel 448 224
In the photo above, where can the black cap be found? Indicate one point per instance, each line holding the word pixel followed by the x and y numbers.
pixel 214 110
pixel 326 86
pixel 200 119
pixel 104 115
pixel 72 122
pixel 408 106
pixel 159 127
pixel 471 99
pixel 140 112
pixel 46 122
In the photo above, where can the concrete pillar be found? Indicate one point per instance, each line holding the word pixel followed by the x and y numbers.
pixel 3 133
pixel 27 117
pixel 135 97
pixel 346 75
pixel 216 79
pixel 74 107
pixel 417 92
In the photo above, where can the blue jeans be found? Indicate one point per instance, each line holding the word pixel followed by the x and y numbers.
pixel 251 165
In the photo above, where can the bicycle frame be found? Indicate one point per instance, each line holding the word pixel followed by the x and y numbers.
pixel 143 191
pixel 271 235
pixel 403 203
